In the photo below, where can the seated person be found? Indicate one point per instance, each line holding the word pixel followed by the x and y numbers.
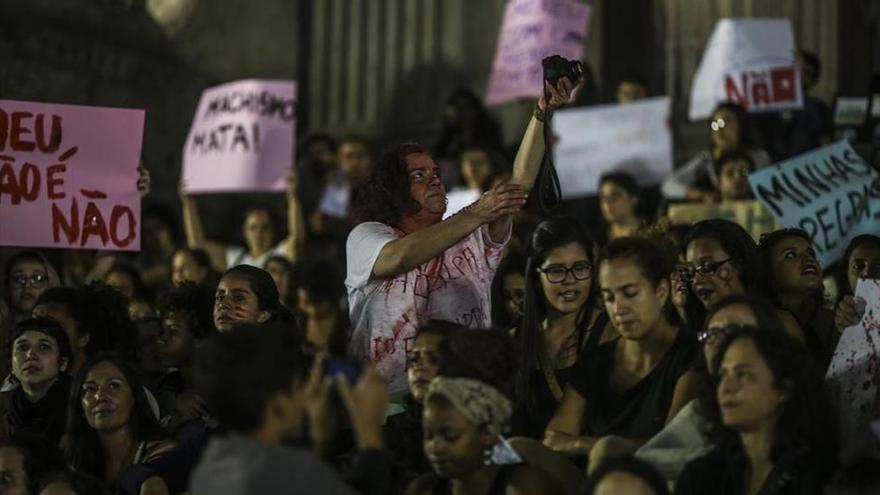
pixel 110 424
pixel 24 461
pixel 628 388
pixel 732 171
pixel 40 356
pixel 255 379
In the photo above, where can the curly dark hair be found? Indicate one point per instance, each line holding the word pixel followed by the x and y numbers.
pixel 486 355
pixel 386 197
pixel 198 303
pixel 738 244
pixel 806 423
pixel 766 244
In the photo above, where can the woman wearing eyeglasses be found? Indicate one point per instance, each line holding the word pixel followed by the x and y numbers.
pixel 27 274
pixel 861 260
pixel 796 286
pixel 731 128
pixel 722 259
pixel 684 437
pixel 625 390
pixel 560 319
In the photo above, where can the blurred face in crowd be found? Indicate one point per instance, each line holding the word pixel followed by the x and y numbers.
pixel 36 361
pixel 259 233
pixel 795 268
pixel 713 336
pixel 355 161
pixel 454 446
pixel 514 288
pixel 714 275
pixel 425 185
pixel 235 302
pixel 122 282
pixel 281 275
pixel 864 262
pixel 107 398
pixel 59 487
pixel 733 182
pixel 184 268
pixel 680 287
pixel 13 477
pixel 423 364
pixel 322 154
pixel 628 92
pixel 725 130
pixel 618 482
pixel 144 317
pixel 747 394
pixel 565 277
pixel 616 203
pixel 156 234
pixel 475 169
pixel 28 279
pixel 61 314
pixel 175 343
pixel 632 302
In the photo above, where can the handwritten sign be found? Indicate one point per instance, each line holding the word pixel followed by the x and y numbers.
pixel 68 176
pixel 530 31
pixel 750 62
pixel 750 215
pixel 633 138
pixel 241 138
pixel 854 373
pixel 831 193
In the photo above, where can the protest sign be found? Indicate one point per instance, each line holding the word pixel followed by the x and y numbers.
pixel 592 141
pixel 854 374
pixel 831 193
pixel 241 138
pixel 750 62
pixel 530 31
pixel 750 215
pixel 68 176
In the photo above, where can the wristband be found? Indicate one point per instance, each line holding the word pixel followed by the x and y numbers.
pixel 539 114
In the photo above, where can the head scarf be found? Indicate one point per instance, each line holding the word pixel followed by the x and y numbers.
pixel 480 403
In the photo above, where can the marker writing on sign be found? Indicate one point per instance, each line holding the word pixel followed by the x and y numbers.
pixel 24 183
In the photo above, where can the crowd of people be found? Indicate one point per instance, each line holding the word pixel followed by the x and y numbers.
pixel 389 337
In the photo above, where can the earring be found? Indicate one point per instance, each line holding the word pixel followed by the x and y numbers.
pixel 487 457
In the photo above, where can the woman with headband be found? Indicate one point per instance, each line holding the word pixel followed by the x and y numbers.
pixel 463 422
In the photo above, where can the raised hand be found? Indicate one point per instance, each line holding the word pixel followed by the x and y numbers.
pixel 501 200
pixel 560 94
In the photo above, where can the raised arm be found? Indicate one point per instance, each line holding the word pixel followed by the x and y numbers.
pixel 408 252
pixel 296 224
pixel 195 235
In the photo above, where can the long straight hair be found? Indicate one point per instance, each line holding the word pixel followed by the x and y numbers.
pixel 547 236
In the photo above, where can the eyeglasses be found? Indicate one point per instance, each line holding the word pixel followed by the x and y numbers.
pixel 707 269
pixel 712 335
pixel 37 280
pixel 556 274
pixel 869 269
pixel 717 124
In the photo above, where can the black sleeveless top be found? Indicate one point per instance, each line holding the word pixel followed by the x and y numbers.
pixel 641 410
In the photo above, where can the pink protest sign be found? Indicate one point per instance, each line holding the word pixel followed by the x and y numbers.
pixel 68 176
pixel 241 138
pixel 530 31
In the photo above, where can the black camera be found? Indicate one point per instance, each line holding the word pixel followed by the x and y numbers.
pixel 556 67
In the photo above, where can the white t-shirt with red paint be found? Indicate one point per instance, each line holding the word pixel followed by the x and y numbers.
pixel 385 313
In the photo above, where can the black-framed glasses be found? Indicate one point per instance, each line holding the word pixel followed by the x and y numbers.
pixel 711 335
pixel 36 280
pixel 707 269
pixel 556 274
